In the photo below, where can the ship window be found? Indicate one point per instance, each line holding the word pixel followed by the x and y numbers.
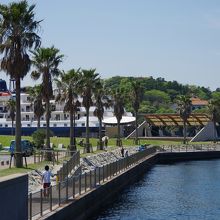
pixel 0 125
pixel 6 125
pixel 54 125
pixel 83 124
pixel 44 125
pixel 28 125
pixel 65 125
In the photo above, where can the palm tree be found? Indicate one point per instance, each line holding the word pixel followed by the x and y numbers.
pixel 185 108
pixel 118 104
pixel 68 86
pixel 36 98
pixel 88 82
pixel 11 106
pixel 136 95
pixel 46 62
pixel 102 101
pixel 214 110
pixel 18 30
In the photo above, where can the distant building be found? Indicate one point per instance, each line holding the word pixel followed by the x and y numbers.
pixel 198 103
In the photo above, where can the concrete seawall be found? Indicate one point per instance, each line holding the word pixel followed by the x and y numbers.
pixel 90 203
pixel 14 197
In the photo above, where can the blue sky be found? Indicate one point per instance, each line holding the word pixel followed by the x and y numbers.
pixel 174 39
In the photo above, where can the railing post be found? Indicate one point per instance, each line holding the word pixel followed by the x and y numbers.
pixel 30 207
pixel 90 179
pixel 50 193
pixel 73 185
pixel 103 172
pixel 95 176
pixel 85 180
pixel 99 175
pixel 66 189
pixel 59 200
pixel 80 179
pixel 41 202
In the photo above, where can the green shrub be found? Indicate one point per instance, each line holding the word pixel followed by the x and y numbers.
pixel 39 137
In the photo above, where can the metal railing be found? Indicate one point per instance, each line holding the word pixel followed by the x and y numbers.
pixel 57 156
pixel 188 147
pixel 41 202
pixel 68 166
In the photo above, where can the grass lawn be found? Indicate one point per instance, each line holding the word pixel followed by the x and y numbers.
pixel 13 170
pixel 6 139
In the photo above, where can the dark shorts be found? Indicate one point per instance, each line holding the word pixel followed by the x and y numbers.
pixel 46 185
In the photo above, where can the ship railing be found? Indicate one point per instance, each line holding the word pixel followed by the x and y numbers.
pixel 42 202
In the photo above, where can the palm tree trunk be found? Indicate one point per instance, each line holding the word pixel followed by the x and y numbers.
pixel 100 134
pixel 12 127
pixel 48 154
pixel 215 131
pixel 74 130
pixel 71 130
pixel 87 131
pixel 136 129
pixel 184 132
pixel 48 123
pixel 38 122
pixel 119 136
pixel 18 153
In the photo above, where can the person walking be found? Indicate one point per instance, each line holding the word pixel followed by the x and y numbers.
pixel 46 180
pixel 122 151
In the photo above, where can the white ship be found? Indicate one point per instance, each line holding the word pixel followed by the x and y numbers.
pixel 59 121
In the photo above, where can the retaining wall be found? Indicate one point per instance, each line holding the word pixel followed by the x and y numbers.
pixel 14 197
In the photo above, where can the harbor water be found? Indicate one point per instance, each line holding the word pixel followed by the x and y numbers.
pixel 185 190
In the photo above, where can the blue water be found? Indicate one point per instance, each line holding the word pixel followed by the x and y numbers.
pixel 186 190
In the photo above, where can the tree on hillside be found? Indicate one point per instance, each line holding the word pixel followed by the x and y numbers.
pixel 11 106
pixel 102 102
pixel 68 86
pixel 46 62
pixel 18 34
pixel 214 111
pixel 136 95
pixel 36 98
pixel 89 80
pixel 185 108
pixel 118 105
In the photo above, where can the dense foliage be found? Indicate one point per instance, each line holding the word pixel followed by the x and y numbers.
pixel 159 95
